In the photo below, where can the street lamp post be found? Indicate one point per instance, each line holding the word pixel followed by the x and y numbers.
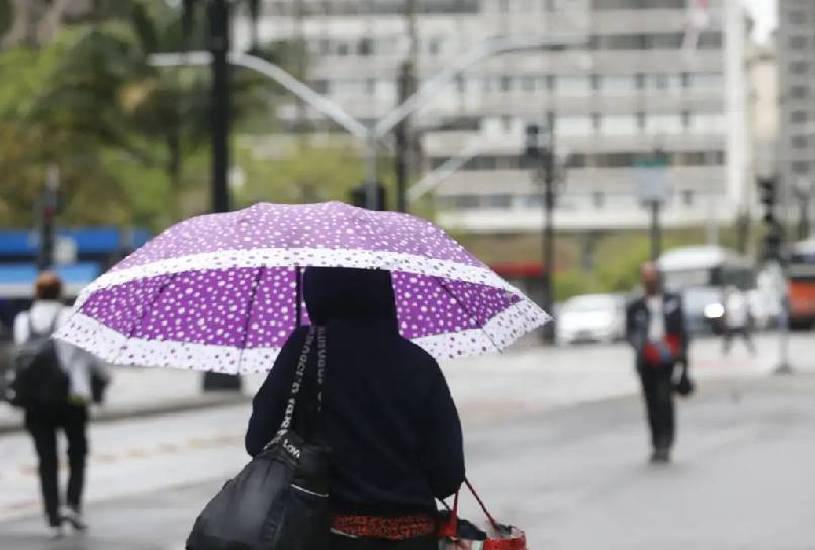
pixel 218 14
pixel 371 135
pixel 540 148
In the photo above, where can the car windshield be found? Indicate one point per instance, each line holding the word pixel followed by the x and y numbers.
pixel 590 303
pixel 696 299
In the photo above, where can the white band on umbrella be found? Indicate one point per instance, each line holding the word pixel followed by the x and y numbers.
pixel 283 257
pixel 114 347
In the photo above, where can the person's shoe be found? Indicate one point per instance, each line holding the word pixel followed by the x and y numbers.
pixel 661 456
pixel 74 517
pixel 57 532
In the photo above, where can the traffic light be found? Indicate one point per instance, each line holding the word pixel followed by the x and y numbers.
pixel 532 141
pixel 767 190
pixel 359 196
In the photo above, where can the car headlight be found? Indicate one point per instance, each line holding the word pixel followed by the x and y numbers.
pixel 714 311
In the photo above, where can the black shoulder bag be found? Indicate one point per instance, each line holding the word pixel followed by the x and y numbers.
pixel 279 501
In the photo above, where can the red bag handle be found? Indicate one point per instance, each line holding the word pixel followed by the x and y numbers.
pixel 480 503
pixel 450 528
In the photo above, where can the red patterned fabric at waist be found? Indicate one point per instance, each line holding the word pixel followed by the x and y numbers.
pixel 395 528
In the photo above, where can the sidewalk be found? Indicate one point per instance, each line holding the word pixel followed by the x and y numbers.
pixel 523 380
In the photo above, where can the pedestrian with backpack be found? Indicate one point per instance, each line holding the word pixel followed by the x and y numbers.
pixel 54 384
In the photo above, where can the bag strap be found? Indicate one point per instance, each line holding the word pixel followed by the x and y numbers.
pixel 51 328
pixel 454 510
pixel 481 503
pixel 299 374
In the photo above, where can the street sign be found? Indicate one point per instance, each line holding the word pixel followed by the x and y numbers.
pixel 653 184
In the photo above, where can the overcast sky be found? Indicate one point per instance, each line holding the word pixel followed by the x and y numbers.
pixel 764 13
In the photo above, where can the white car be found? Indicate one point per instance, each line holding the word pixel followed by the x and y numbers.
pixel 591 318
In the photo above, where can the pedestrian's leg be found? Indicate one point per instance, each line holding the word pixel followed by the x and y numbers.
pixel 44 435
pixel 646 377
pixel 665 408
pixel 748 341
pixel 75 424
pixel 726 338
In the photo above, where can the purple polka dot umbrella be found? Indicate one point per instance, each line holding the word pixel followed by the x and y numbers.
pixel 219 292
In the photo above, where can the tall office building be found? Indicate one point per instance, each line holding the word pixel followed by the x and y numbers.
pixel 796 73
pixel 628 78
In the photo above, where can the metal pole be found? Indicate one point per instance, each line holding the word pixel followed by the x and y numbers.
pixel 219 47
pixel 219 20
pixel 402 140
pixel 784 340
pixel 371 159
pixel 548 226
pixel 656 237
pixel 48 210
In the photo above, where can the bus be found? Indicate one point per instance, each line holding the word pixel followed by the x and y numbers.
pixel 700 274
pixel 801 284
pixel 705 266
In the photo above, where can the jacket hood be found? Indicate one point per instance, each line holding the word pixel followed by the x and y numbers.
pixel 348 293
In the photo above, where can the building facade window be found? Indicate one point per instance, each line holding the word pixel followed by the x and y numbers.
pixel 798 42
pixel 799 92
pixel 799 67
pixel 686 121
pixel 798 116
pixel 800 167
pixel 687 197
pixel 365 47
pixel 596 122
pixel 596 81
pixel 799 142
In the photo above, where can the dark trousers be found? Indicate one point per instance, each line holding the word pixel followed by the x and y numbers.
pixel 43 426
pixel 657 388
pixel 339 542
pixel 744 332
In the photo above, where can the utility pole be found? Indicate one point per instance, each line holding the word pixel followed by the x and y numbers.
pixel 540 147
pixel 773 254
pixel 219 22
pixel 402 139
pixel 218 14
pixel 656 234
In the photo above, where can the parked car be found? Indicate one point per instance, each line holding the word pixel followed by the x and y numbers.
pixel 591 318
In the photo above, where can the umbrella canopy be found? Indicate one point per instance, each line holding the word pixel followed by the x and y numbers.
pixel 220 292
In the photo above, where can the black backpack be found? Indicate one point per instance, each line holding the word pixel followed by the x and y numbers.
pixel 279 501
pixel 38 379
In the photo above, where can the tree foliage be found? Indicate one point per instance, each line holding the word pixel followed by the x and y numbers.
pixel 121 132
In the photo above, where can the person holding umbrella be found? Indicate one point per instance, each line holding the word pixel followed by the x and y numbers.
pixel 387 413
pixel 390 293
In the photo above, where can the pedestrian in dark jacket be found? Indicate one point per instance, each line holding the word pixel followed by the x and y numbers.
pixel 387 414
pixel 655 327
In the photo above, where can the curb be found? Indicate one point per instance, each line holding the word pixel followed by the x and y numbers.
pixel 211 400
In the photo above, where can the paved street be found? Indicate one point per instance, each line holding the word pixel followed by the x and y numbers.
pixel 558 448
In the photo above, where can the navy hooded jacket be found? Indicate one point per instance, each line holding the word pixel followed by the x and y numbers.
pixel 387 411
